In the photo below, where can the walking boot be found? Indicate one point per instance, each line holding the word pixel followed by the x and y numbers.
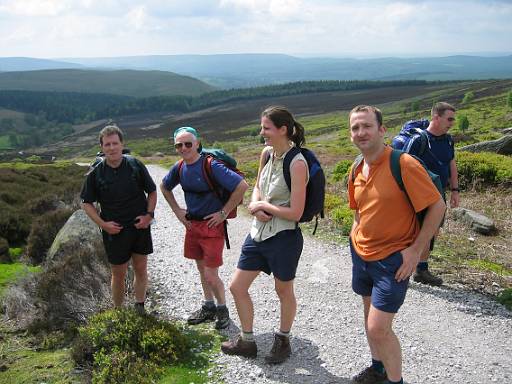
pixel 201 315
pixel 425 277
pixel 280 351
pixel 240 347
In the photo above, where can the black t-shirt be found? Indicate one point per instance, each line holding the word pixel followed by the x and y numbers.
pixel 119 191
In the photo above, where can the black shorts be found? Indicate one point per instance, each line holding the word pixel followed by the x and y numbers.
pixel 130 240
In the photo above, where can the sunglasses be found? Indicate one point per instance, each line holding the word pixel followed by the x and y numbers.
pixel 187 144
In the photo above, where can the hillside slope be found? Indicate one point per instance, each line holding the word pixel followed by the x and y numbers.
pixel 117 82
pixel 249 70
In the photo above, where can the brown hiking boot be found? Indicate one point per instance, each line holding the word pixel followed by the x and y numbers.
pixel 280 351
pixel 240 347
pixel 425 277
pixel 202 315
pixel 370 376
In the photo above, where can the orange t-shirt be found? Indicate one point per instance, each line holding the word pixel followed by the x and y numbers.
pixel 387 222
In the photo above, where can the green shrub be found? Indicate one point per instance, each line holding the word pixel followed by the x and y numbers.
pixel 505 298
pixel 43 232
pixel 483 168
pixel 341 170
pixel 331 202
pixel 468 97
pixel 122 345
pixel 343 218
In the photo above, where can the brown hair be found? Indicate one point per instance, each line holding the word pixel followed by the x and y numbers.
pixel 280 116
pixel 367 108
pixel 440 108
pixel 111 130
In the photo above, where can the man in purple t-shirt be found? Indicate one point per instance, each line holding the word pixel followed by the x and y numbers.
pixel 203 219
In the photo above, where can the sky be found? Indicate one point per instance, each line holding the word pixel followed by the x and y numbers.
pixel 378 28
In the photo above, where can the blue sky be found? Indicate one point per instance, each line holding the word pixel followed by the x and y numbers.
pixel 88 28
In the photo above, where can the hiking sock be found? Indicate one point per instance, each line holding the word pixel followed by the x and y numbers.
pixel 377 365
pixel 247 336
pixel 401 381
pixel 283 333
pixel 422 266
pixel 141 304
pixel 210 304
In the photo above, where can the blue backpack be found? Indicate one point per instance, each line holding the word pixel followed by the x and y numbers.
pixel 396 171
pixel 410 132
pixel 315 189
pixel 415 130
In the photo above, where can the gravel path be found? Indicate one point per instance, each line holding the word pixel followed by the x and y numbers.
pixel 447 334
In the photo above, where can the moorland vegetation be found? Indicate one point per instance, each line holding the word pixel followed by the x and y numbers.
pixel 36 199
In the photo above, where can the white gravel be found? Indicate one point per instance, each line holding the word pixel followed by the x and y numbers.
pixel 448 335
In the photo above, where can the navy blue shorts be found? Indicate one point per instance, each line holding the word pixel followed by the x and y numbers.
pixel 279 254
pixel 377 279
pixel 119 248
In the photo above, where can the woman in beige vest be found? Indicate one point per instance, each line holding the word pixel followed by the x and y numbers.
pixel 274 244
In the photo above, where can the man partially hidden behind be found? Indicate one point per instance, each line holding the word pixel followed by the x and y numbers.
pixel 439 157
pixel 386 240
pixel 203 219
pixel 127 197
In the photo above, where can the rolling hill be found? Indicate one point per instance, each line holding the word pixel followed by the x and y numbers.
pixel 117 82
pixel 249 70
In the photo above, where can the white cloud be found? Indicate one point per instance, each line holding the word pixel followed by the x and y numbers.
pixel 49 28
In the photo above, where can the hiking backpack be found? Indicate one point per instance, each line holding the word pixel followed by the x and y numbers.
pixel 315 189
pixel 412 131
pixel 396 171
pixel 209 155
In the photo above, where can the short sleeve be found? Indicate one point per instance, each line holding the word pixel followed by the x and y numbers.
pixel 89 193
pixel 227 178
pixel 171 180
pixel 417 182
pixel 149 184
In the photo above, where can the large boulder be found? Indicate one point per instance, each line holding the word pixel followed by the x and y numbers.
pixel 78 232
pixel 74 283
pixel 502 146
pixel 476 221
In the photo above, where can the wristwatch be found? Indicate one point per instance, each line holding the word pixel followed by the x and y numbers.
pixel 152 214
pixel 223 214
pixel 455 190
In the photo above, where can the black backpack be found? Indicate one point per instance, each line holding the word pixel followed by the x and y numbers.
pixel 315 189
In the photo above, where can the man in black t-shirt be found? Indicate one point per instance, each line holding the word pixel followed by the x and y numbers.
pixel 120 184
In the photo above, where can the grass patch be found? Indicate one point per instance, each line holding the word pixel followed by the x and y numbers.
pixel 27 362
pixel 486 265
pixel 9 273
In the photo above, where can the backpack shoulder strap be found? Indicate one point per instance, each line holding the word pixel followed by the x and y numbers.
pixel 180 167
pixel 396 169
pixel 136 170
pixel 207 171
pixel 357 162
pixel 294 151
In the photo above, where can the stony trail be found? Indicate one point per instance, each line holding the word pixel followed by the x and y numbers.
pixel 447 334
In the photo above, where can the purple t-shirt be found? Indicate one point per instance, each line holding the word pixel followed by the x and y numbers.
pixel 200 200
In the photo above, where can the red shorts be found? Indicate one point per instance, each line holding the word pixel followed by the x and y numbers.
pixel 203 243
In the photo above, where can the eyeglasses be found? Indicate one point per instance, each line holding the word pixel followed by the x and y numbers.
pixel 451 119
pixel 187 144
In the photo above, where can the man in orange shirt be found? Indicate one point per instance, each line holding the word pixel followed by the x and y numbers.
pixel 386 239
